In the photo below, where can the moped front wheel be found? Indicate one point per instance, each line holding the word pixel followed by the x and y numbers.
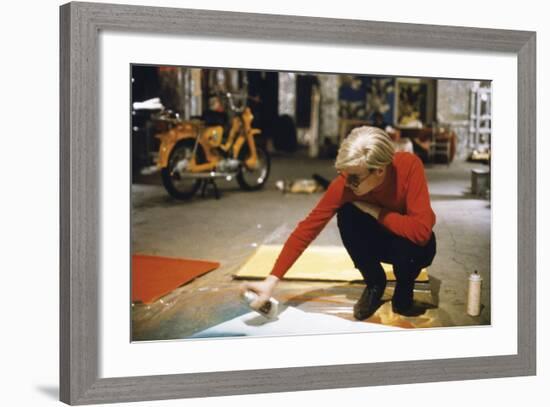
pixel 252 179
pixel 175 179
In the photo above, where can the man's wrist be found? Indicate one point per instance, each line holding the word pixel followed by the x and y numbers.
pixel 272 279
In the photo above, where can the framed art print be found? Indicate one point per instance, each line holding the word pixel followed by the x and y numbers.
pixel 195 142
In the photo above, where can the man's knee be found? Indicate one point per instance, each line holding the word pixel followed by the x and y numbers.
pixel 348 209
pixel 346 215
pixel 352 214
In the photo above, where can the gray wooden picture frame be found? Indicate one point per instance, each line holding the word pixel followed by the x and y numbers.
pixel 80 25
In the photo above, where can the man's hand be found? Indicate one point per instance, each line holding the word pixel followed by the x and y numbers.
pixel 371 209
pixel 264 289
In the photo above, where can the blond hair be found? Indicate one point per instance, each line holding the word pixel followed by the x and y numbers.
pixel 367 147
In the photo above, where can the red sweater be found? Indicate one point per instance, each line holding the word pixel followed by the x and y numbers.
pixel 403 197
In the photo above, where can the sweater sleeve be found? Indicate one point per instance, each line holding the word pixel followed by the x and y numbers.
pixel 418 220
pixel 308 229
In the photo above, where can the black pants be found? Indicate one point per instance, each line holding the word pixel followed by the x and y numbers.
pixel 369 243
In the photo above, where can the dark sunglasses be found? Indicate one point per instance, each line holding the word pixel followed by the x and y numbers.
pixel 354 180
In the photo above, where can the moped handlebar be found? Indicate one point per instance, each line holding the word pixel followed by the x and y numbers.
pixel 168 116
pixel 230 99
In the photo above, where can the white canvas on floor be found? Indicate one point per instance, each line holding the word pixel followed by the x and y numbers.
pixel 290 321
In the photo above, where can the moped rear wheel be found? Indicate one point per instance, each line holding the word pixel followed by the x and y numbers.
pixel 252 179
pixel 173 176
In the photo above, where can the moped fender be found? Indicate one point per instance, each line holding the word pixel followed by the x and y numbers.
pixel 167 142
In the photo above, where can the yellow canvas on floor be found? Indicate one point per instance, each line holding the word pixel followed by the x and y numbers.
pixel 319 263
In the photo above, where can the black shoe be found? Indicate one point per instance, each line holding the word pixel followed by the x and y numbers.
pixel 368 303
pixel 411 311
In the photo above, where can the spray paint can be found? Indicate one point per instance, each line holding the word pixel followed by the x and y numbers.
pixel 474 294
pixel 269 309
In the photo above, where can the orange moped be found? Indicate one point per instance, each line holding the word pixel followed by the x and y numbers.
pixel 193 152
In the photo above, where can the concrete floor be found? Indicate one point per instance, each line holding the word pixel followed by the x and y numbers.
pixel 229 229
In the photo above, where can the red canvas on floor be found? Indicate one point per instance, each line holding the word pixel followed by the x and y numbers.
pixel 154 276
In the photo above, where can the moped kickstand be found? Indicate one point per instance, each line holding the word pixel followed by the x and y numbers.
pixel 205 184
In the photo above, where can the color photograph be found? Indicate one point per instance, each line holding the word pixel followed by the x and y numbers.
pixel 269 203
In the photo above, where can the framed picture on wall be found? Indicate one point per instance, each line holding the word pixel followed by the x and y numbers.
pixel 414 102
pixel 100 44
